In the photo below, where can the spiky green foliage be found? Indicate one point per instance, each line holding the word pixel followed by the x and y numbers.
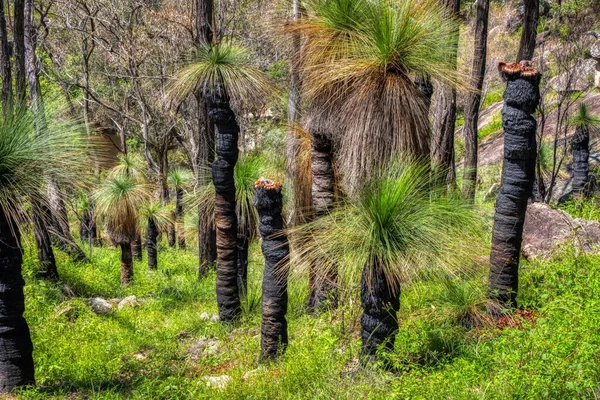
pixel 362 58
pixel 179 177
pixel 27 159
pixel 130 165
pixel 584 118
pixel 399 221
pixel 157 211
pixel 119 200
pixel 221 66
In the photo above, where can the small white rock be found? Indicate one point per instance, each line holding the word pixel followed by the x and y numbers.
pixel 217 382
pixel 204 317
pixel 215 318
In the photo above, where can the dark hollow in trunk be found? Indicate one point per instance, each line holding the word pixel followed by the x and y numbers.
pixel 126 263
pixel 423 83
pixel 226 136
pixel 39 215
pixel 531 15
pixel 179 218
pixel 521 98
pixel 16 349
pixel 379 321
pixel 474 99
pixel 152 235
pixel 580 146
pixel 275 248
pixel 242 245
pixel 136 247
pixel 322 288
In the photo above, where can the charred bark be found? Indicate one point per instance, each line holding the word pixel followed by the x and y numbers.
pixel 16 349
pixel 126 263
pixel 322 288
pixel 7 92
pixel 580 146
pixel 136 247
pixel 275 248
pixel 179 218
pixel 531 15
pixel 521 98
pixel 474 99
pixel 228 298
pixel 152 235
pixel 379 322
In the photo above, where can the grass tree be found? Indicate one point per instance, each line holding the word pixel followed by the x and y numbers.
pixel 224 74
pixel 363 56
pixel 583 122
pixel 26 160
pixel 397 227
pixel 179 178
pixel 119 200
pixel 521 98
pixel 154 217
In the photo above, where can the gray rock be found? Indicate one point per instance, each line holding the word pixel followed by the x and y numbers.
pixel 546 229
pixel 101 306
pixel 129 301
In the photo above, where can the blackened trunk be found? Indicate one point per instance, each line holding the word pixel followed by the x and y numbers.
pixel 275 248
pixel 521 98
pixel 126 263
pixel 242 246
pixel 423 83
pixel 226 137
pixel 136 247
pixel 322 288
pixel 7 92
pixel 380 303
pixel 474 99
pixel 16 349
pixel 531 15
pixel 580 146
pixel 179 218
pixel 19 51
pixel 39 216
pixel 152 235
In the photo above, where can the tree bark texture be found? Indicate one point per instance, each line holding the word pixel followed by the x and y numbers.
pixel 16 349
pixel 40 215
pixel 126 263
pixel 473 101
pixel 275 248
pixel 580 146
pixel 179 218
pixel 136 247
pixel 531 15
pixel 7 92
pixel 152 235
pixel 228 298
pixel 521 98
pixel 204 19
pixel 379 322
pixel 19 51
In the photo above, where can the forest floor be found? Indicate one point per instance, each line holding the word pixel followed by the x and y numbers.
pixel 164 348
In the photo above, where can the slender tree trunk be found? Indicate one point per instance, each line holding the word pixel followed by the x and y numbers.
pixel 521 98
pixel 228 298
pixel 39 215
pixel 151 244
pixel 474 99
pixel 444 123
pixel 136 247
pixel 7 92
pixel 531 15
pixel 204 17
pixel 61 232
pixel 19 51
pixel 179 218
pixel 322 288
pixel 379 322
pixel 16 349
pixel 580 146
pixel 242 245
pixel 126 263
pixel 275 248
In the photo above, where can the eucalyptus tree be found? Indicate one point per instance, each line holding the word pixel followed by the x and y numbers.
pixel 224 74
pixel 26 159
pixel 584 122
pixel 521 98
pixel 398 227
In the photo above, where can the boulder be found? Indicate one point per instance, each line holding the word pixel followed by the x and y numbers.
pixel 101 306
pixel 546 229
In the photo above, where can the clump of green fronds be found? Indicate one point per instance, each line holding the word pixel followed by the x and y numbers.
pixel 360 60
pixel 157 211
pixel 399 221
pixel 179 177
pixel 222 66
pixel 130 165
pixel 119 200
pixel 584 118
pixel 28 159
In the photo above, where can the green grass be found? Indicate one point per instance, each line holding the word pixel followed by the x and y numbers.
pixel 493 95
pixel 141 353
pixel 495 125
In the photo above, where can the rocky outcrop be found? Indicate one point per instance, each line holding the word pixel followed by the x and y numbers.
pixel 546 230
